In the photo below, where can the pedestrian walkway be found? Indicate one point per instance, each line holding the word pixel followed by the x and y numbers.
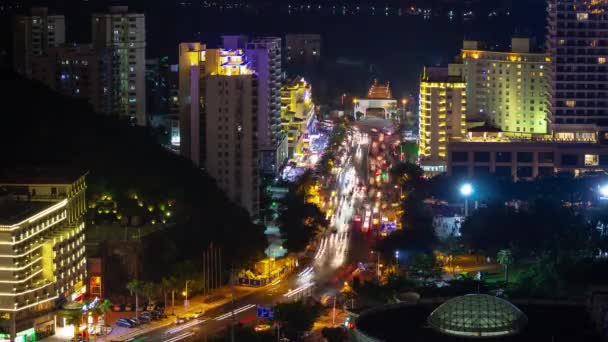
pixel 203 303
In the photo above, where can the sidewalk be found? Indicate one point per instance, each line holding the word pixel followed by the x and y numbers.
pixel 197 303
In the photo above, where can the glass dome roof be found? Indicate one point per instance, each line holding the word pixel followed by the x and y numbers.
pixel 477 315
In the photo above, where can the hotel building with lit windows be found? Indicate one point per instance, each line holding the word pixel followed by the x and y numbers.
pixel 42 253
pixel 507 90
pixel 443 105
pixel 578 45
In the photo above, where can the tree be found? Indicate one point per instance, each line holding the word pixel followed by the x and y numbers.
pixel 103 308
pixel 169 284
pixel 149 290
pixel 73 317
pixel 426 266
pixel 296 318
pixel 505 258
pixel 135 287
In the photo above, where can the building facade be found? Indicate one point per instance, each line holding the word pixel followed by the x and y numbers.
pixel 302 49
pixel 80 71
pixel 578 46
pixel 231 143
pixel 507 90
pixel 219 119
pixel 297 109
pixel 443 106
pixel 264 53
pixel 34 34
pixel 525 159
pixel 125 34
pixel 42 251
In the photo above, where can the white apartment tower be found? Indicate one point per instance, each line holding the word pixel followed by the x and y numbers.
pixel 265 57
pixel 218 94
pixel 34 34
pixel 125 33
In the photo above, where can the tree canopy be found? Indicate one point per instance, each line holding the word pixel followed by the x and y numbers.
pixel 53 131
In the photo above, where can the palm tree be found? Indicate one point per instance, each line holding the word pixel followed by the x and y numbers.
pixel 505 258
pixel 102 309
pixel 135 287
pixel 149 289
pixel 73 317
pixel 168 284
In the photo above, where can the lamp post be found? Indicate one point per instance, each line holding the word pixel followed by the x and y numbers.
pixel 186 294
pixel 466 190
pixel 397 258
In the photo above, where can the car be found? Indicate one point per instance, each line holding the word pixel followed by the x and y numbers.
pixel 134 320
pixel 262 327
pixel 198 314
pixel 180 319
pixel 125 323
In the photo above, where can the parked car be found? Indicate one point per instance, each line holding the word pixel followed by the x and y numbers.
pixel 135 321
pixel 180 319
pixel 124 322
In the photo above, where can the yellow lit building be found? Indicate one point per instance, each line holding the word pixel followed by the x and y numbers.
pixel 442 115
pixel 297 109
pixel 508 90
pixel 42 252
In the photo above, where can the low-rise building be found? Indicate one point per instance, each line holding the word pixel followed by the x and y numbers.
pixel 524 159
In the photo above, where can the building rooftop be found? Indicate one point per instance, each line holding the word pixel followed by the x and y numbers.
pixel 40 176
pixel 380 91
pixel 477 315
pixel 14 211
pixel 437 74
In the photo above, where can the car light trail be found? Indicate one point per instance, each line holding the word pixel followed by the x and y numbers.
pixel 180 337
pixel 298 290
pixel 237 311
pixel 186 326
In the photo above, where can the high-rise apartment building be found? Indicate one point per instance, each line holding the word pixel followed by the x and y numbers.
pixel 42 253
pixel 507 90
pixel 125 34
pixel 303 49
pixel 218 94
pixel 80 71
pixel 578 46
pixel 443 105
pixel 264 55
pixel 264 58
pixel 34 34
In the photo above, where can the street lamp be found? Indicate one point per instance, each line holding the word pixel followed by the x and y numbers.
pixel 466 190
pixel 185 293
pixel 397 257
pixel 603 189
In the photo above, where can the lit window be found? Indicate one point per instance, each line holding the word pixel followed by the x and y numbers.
pixel 570 103
pixel 583 16
pixel 591 160
pixel 601 60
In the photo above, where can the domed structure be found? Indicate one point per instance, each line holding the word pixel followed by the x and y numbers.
pixel 477 315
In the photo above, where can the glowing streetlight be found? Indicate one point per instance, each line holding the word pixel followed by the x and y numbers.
pixel 603 189
pixel 466 190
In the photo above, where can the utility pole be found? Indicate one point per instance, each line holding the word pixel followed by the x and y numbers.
pixel 333 320
pixel 232 303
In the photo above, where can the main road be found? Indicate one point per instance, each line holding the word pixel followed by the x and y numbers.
pixel 338 252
